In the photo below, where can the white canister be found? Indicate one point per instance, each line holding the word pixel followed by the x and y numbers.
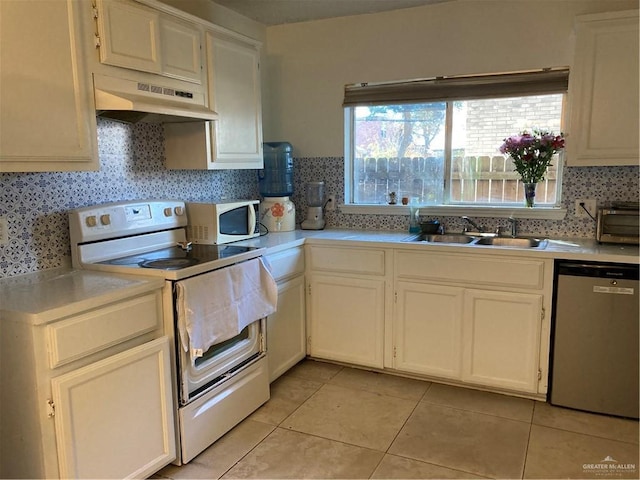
pixel 278 214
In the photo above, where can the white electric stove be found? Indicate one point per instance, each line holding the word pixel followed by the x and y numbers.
pixel 217 390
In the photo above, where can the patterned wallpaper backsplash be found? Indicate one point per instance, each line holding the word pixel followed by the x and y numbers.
pixel 132 168
pixel 603 184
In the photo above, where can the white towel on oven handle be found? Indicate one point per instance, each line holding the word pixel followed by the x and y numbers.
pixel 216 306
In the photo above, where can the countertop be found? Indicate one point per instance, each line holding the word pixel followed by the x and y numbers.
pixel 558 248
pixel 42 297
pixel 45 296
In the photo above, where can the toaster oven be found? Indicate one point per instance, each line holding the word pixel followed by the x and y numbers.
pixel 618 223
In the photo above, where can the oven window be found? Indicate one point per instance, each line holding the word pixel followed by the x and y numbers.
pixel 221 347
pixel 235 222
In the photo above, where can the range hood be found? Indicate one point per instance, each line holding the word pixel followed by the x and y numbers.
pixel 134 101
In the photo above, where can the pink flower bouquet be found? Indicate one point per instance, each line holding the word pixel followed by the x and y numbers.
pixel 532 153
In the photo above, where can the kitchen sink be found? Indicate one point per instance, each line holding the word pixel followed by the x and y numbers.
pixel 487 240
pixel 445 238
pixel 522 242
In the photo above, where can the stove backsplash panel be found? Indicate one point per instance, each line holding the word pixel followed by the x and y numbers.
pixel 132 167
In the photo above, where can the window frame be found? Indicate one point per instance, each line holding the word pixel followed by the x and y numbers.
pixel 554 212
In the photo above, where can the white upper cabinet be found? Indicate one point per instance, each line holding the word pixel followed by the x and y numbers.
pixel 47 115
pixel 131 35
pixel 234 91
pixel 235 140
pixel 603 91
pixel 181 50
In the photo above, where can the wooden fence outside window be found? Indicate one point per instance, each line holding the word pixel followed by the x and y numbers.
pixel 478 179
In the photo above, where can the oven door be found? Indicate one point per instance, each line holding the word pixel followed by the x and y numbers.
pixel 220 362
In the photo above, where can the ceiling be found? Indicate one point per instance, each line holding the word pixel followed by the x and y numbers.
pixel 277 12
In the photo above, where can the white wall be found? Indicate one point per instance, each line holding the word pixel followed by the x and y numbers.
pixel 220 15
pixel 309 63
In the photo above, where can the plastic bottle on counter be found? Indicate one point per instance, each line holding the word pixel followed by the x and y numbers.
pixel 276 178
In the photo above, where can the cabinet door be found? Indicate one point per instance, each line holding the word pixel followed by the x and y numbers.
pixel 234 82
pixel 286 339
pixel 501 339
pixel 347 319
pixel 181 50
pixel 47 114
pixel 428 329
pixel 604 91
pixel 114 418
pixel 129 35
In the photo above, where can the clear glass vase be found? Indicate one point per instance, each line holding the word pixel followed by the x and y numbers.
pixel 530 194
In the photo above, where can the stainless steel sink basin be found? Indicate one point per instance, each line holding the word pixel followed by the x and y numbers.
pixel 446 238
pixel 522 242
pixel 486 240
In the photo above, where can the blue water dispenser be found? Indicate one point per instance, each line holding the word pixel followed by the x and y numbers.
pixel 275 184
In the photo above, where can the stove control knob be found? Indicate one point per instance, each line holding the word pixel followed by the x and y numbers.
pixel 179 211
pixel 91 221
pixel 105 219
pixel 168 212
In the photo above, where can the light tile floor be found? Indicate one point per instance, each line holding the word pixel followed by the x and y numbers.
pixel 329 421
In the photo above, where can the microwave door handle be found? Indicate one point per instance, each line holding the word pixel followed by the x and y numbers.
pixel 252 220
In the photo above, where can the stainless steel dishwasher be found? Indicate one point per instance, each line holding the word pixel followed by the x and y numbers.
pixel 594 363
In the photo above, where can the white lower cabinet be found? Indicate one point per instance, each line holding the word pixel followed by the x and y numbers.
pixel 286 334
pixel 501 339
pixel 88 394
pixel 346 319
pixel 428 329
pixel 445 327
pixel 286 339
pixel 347 304
pixel 469 319
pixel 114 418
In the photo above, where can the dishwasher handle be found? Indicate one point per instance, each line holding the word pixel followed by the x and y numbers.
pixel 598 270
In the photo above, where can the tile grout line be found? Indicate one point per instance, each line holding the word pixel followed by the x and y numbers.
pixel 386 452
pixel 476 412
pixel 329 381
pixel 421 400
pixel 586 434
pixel 275 427
pixel 526 450
pixel 248 451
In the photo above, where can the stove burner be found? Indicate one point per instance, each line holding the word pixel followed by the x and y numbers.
pixel 169 263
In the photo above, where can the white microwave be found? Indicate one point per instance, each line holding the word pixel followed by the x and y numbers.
pixel 222 222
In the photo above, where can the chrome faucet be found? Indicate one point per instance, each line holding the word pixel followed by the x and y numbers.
pixel 513 223
pixel 514 226
pixel 472 223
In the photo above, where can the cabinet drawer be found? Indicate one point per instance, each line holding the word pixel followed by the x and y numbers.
pixel 287 263
pixel 485 270
pixel 82 335
pixel 366 261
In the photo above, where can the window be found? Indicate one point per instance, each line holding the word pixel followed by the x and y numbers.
pixel 437 141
